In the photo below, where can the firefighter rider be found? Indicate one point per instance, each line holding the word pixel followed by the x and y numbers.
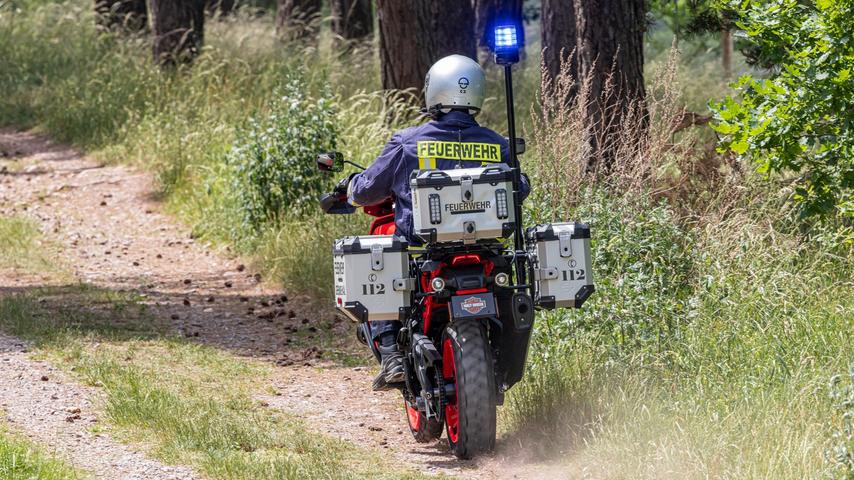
pixel 454 91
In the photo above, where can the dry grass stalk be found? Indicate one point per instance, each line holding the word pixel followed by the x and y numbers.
pixel 651 150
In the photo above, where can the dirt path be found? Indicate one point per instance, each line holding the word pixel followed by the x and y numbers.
pixel 113 234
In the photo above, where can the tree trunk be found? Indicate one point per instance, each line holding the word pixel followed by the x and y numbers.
pixel 726 52
pixel 416 33
pixel 179 27
pixel 131 15
pixel 297 19
pixel 352 19
pixel 223 7
pixel 559 38
pixel 489 11
pixel 610 59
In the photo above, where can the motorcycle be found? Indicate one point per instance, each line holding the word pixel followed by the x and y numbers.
pixel 466 325
pixel 466 298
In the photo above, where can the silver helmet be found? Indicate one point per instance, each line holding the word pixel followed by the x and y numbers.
pixel 455 81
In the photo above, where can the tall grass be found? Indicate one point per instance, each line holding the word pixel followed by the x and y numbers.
pixel 718 322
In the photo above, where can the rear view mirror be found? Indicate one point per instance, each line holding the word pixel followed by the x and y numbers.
pixel 330 162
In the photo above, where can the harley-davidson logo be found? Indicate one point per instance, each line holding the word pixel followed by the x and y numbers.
pixel 473 305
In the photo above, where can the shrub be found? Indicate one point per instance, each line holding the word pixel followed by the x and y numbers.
pixel 798 122
pixel 273 158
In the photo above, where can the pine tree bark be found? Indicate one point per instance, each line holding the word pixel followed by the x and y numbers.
pixel 352 19
pixel 559 38
pixel 297 19
pixel 131 15
pixel 416 33
pixel 609 39
pixel 726 52
pixel 179 28
pixel 488 11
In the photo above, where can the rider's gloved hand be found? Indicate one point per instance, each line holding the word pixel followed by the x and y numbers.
pixel 342 186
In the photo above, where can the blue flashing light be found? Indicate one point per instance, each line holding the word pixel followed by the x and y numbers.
pixel 506 38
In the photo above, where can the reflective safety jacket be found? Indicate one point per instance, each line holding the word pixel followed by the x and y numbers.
pixel 455 140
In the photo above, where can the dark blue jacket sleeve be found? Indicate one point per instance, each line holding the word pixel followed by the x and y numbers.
pixel 377 182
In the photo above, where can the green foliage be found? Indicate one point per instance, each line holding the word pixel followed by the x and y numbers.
pixel 800 120
pixel 643 270
pixel 273 159
pixel 680 15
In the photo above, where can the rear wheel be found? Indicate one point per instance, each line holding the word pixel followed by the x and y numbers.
pixel 422 429
pixel 470 414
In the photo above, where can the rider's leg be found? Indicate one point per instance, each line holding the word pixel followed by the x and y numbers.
pixel 384 334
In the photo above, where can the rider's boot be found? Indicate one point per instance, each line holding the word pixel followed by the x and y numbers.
pixel 391 371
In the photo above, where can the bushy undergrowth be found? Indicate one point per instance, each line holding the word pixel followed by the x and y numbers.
pixel 709 346
pixel 274 172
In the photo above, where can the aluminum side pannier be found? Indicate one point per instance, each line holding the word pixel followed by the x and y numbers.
pixel 463 205
pixel 372 277
pixel 561 253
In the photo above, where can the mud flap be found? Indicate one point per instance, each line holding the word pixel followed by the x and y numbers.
pixel 517 319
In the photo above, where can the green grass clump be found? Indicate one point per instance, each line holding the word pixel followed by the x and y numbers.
pixel 20 460
pixel 273 160
pixel 23 246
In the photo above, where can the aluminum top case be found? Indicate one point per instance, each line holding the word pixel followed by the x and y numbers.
pixel 372 277
pixel 562 264
pixel 463 205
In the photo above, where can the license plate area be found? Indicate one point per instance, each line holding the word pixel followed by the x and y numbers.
pixel 473 305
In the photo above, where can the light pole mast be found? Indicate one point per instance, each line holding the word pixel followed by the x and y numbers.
pixel 506 46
